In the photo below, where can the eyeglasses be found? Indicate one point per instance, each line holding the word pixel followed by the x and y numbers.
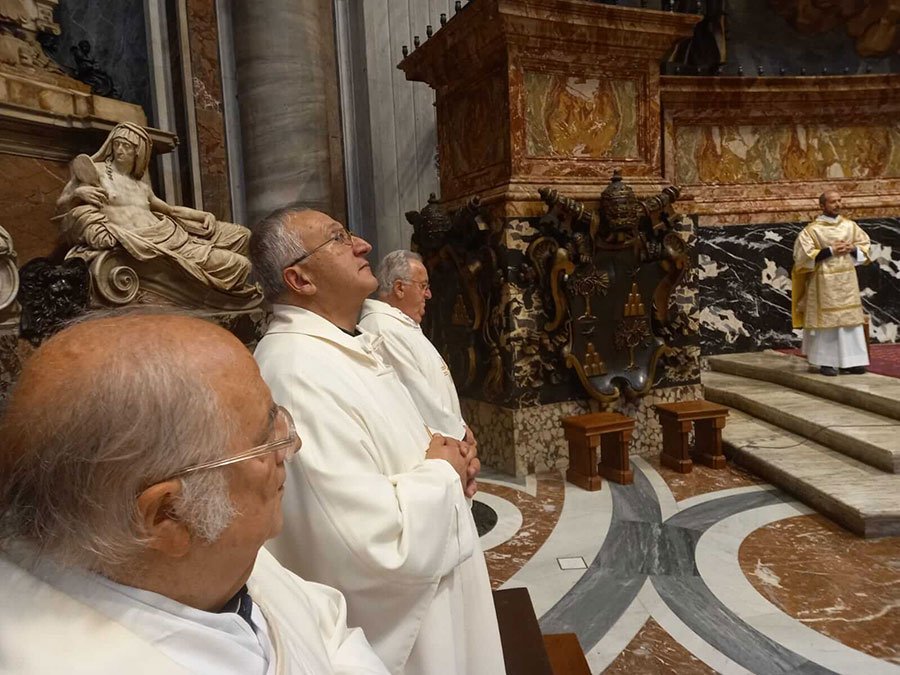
pixel 343 237
pixel 424 285
pixel 287 438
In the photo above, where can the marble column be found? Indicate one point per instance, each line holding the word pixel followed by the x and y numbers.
pixel 288 101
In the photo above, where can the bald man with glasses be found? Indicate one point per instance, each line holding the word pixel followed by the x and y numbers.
pixel 134 506
pixel 376 502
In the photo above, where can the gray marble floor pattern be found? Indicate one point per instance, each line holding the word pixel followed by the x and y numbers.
pixel 639 545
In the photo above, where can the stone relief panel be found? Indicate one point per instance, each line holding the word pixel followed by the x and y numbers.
pixel 116 43
pixel 874 26
pixel 572 116
pixel 754 153
pixel 744 276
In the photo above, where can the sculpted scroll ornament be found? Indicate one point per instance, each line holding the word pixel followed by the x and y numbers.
pixel 9 274
pixel 134 241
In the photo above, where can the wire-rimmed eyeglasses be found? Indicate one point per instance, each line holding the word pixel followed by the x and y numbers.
pixel 343 237
pixel 287 441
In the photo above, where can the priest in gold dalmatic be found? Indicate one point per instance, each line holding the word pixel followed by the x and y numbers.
pixel 826 302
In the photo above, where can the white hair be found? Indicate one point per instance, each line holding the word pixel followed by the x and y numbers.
pixel 272 249
pixel 395 265
pixel 73 467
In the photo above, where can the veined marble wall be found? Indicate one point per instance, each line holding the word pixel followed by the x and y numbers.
pixel 734 153
pixel 745 285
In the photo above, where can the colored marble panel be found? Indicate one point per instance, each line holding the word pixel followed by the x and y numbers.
pixel 653 650
pixel 204 44
pixel 28 194
pixel 577 117
pixel 702 479
pixel 475 122
pixel 745 285
pixel 830 580
pixel 540 514
pixel 760 153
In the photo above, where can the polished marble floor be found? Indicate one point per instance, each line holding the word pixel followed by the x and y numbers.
pixel 713 571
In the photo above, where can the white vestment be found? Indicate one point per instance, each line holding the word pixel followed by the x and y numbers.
pixel 365 512
pixel 841 347
pixel 418 364
pixel 58 620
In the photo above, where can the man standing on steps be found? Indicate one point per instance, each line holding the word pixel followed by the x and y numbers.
pixel 825 298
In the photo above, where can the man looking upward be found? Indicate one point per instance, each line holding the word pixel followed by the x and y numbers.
pixel 403 288
pixel 376 505
pixel 825 290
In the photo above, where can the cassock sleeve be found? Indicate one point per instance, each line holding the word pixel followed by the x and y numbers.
pixel 401 354
pixel 410 527
pixel 298 607
pixel 348 649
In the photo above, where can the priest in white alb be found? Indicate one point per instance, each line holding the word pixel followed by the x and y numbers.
pixel 403 288
pixel 377 502
pixel 825 296
pixel 134 506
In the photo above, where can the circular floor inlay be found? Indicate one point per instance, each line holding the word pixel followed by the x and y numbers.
pixel 485 517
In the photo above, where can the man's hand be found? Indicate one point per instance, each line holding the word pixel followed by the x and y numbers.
pixel 841 248
pixel 95 196
pixel 474 464
pixel 452 451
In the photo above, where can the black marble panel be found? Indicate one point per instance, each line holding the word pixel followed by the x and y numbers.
pixel 117 36
pixel 745 285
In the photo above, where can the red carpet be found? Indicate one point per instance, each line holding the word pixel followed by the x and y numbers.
pixel 885 359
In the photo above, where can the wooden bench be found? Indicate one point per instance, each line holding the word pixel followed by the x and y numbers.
pixel 707 420
pixel 612 432
pixel 525 650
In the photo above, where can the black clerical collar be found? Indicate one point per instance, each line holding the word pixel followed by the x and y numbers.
pixel 241 604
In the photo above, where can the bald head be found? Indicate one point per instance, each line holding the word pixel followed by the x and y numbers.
pixel 830 201
pixel 90 350
pixel 104 409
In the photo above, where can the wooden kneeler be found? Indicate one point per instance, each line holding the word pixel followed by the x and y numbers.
pixel 707 421
pixel 612 433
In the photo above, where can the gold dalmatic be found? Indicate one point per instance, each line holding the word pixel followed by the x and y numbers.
pixel 826 294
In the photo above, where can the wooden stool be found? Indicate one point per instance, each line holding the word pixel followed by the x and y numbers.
pixel 708 420
pixel 612 432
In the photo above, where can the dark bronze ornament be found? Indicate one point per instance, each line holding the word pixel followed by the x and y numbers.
pixel 610 282
pixel 51 295
pixel 461 267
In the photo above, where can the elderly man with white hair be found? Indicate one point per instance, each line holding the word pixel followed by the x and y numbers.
pixel 377 502
pixel 141 471
pixel 403 288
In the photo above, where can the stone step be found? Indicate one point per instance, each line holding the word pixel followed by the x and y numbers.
pixel 863 435
pixel 861 498
pixel 875 393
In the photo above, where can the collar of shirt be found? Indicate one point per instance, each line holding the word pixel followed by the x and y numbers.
pixel 829 219
pixel 380 307
pixel 291 319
